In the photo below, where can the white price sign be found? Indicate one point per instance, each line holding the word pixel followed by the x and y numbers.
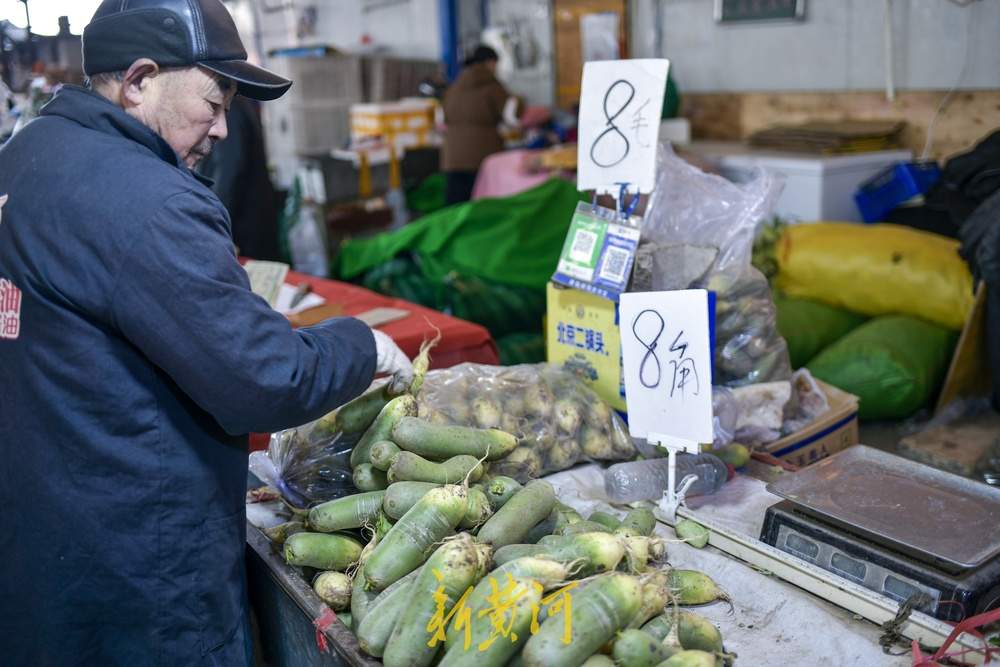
pixel 667 353
pixel 620 106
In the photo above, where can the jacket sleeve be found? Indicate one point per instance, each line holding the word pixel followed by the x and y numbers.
pixel 183 299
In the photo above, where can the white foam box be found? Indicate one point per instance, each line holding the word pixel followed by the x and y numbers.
pixel 817 187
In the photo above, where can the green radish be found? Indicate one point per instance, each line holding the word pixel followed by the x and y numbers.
pixel 636 648
pixel 450 570
pixel 346 513
pixel 585 526
pixel 383 453
pixel 542 529
pixel 640 550
pixel 422 363
pixel 358 415
pixel 334 589
pixel 693 533
pixel 638 522
pixel 603 608
pixel 609 521
pixel 549 574
pixel 395 410
pixel 401 496
pixel 599 660
pixel 375 628
pixel 553 539
pixel 410 467
pixel 735 455
pixel 482 648
pixel 443 442
pixel 500 489
pixel 655 597
pixel 369 478
pixel 347 619
pixel 479 510
pixel 361 597
pixel 382 526
pixel 592 553
pixel 694 632
pixel 690 587
pixel 518 516
pixel 278 534
pixel 690 659
pixel 433 518
pixel 322 551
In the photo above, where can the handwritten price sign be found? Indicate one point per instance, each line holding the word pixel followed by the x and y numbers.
pixel 667 353
pixel 620 107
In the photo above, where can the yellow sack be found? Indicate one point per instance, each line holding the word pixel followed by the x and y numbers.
pixel 876 270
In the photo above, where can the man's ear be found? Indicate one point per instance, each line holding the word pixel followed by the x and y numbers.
pixel 135 83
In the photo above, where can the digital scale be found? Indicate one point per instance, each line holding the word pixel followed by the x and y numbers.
pixel 900 528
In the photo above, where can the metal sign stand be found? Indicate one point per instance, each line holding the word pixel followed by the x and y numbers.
pixel 673 499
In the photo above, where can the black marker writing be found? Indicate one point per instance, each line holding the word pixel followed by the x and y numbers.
pixel 611 127
pixel 650 349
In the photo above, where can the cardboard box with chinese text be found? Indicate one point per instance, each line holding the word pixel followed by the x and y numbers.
pixel 582 335
pixel 835 430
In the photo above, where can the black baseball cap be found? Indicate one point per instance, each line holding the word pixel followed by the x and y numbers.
pixel 175 33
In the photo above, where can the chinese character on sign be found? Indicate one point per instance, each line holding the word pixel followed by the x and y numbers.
pixel 561 331
pixel 685 375
pixel 10 310
pixel 639 123
pixel 599 343
pixel 571 335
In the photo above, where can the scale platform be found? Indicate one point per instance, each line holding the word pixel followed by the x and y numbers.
pixel 893 526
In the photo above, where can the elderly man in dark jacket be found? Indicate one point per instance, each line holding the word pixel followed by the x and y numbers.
pixel 134 358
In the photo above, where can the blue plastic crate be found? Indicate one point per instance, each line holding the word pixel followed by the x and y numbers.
pixel 890 188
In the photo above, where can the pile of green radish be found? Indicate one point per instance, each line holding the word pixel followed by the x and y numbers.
pixel 429 540
pixel 437 526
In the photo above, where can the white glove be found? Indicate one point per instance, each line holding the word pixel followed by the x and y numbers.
pixel 390 360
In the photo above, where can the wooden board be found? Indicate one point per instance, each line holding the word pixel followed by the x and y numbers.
pixel 568 50
pixel 968 375
pixel 968 118
pixel 957 448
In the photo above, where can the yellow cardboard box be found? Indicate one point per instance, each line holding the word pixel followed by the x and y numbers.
pixel 582 336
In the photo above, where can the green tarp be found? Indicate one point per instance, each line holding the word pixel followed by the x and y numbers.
pixel 514 240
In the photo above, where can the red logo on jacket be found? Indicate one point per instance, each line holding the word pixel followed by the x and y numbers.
pixel 10 310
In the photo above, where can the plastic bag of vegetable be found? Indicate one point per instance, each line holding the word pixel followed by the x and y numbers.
pixel 312 463
pixel 705 224
pixel 557 419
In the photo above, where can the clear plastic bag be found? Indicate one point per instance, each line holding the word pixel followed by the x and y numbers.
pixel 309 464
pixel 808 402
pixel 690 215
pixel 558 419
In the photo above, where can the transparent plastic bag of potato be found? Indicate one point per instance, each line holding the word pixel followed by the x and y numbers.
pixel 558 419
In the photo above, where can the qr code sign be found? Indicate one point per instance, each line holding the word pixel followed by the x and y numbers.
pixel 615 265
pixel 10 310
pixel 583 246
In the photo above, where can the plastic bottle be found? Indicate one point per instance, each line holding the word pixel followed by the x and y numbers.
pixel 647 480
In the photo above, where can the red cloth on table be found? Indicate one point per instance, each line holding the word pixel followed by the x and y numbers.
pixel 461 341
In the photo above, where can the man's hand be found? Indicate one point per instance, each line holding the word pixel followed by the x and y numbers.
pixel 390 360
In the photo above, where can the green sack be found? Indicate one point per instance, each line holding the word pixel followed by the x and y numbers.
pixel 510 240
pixel 809 327
pixel 895 364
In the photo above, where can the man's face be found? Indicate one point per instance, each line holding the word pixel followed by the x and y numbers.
pixel 187 107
